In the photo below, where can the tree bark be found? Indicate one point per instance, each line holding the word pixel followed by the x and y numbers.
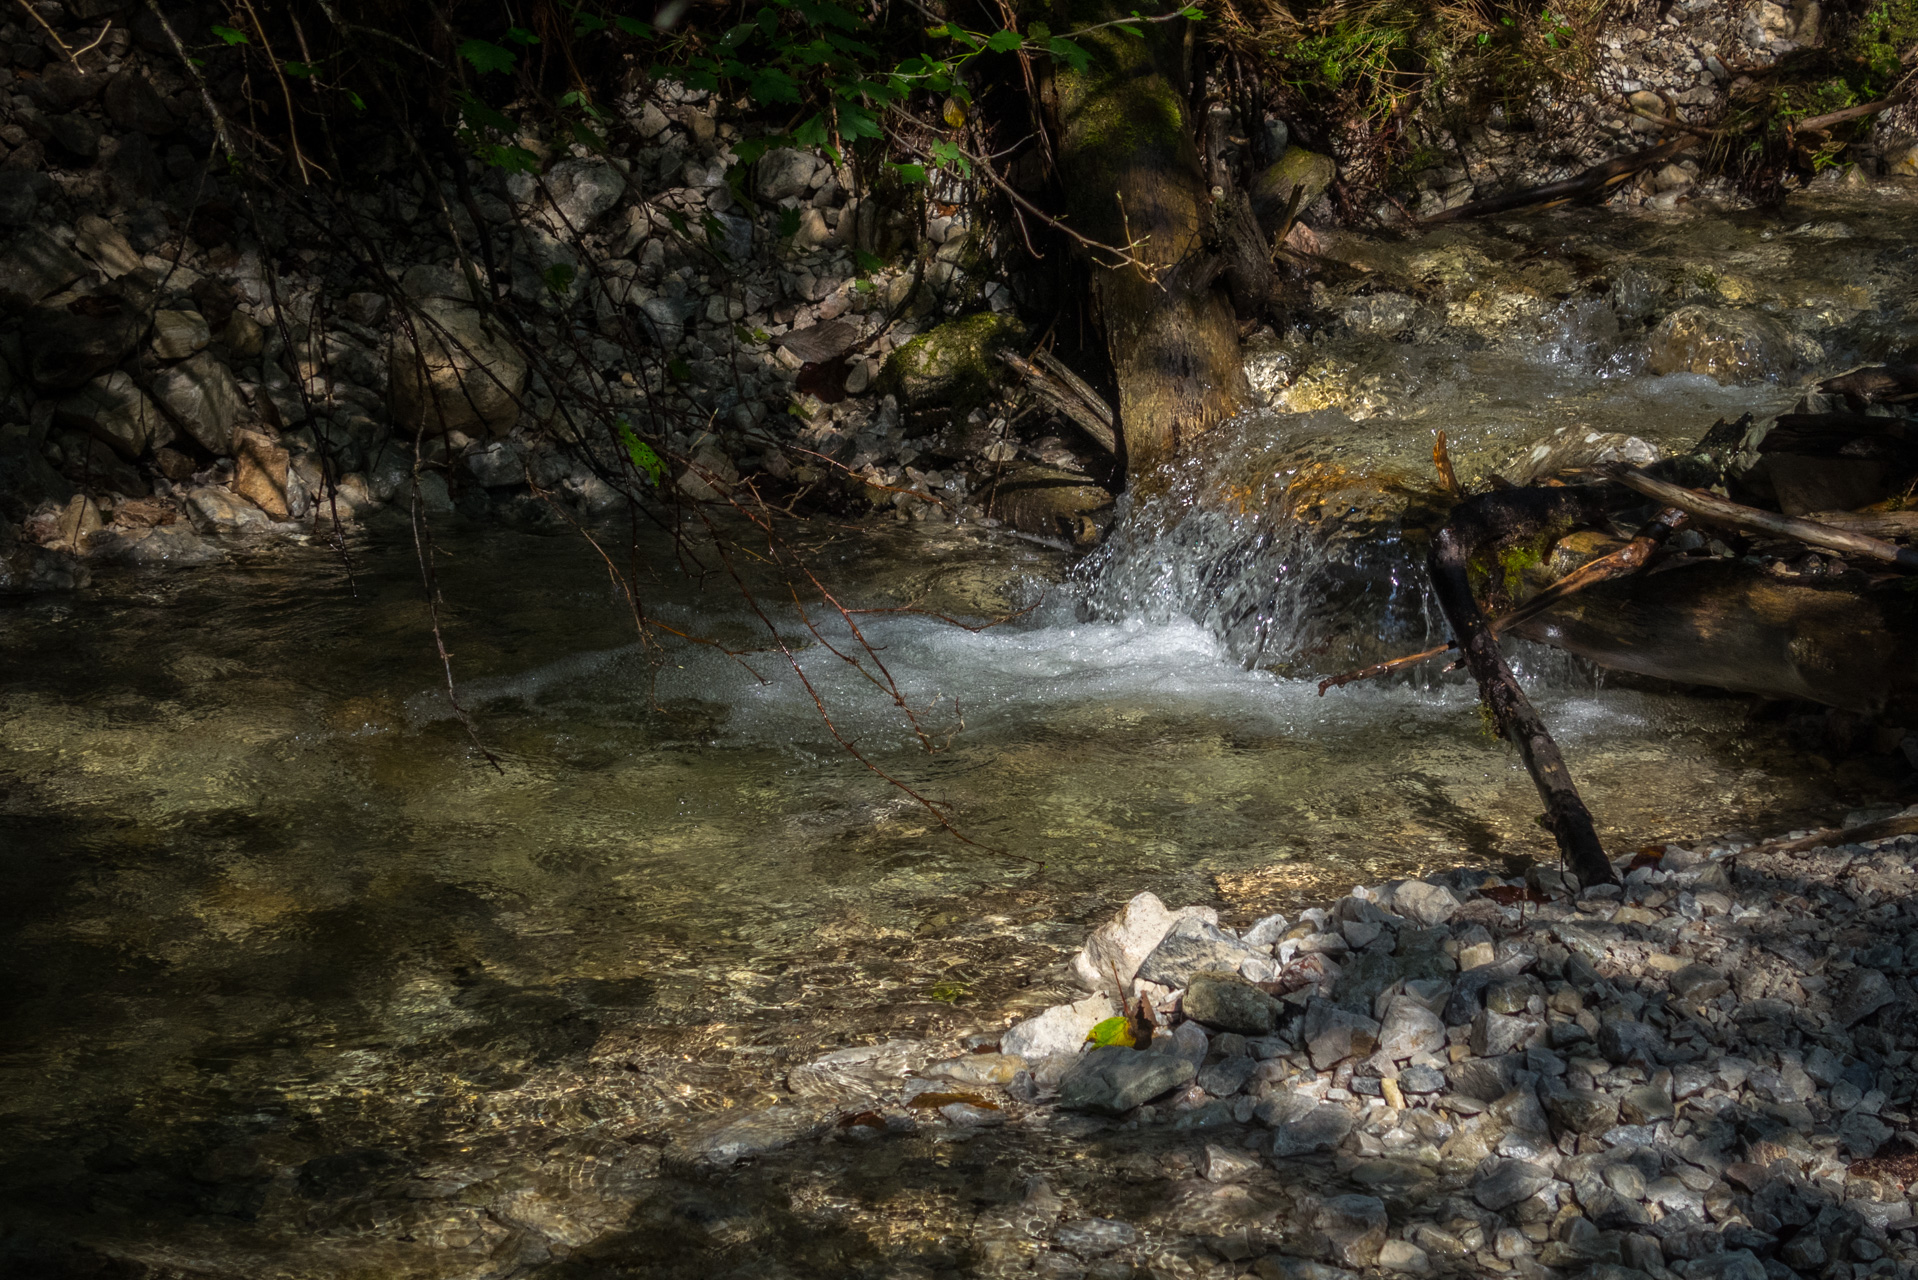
pixel 1132 176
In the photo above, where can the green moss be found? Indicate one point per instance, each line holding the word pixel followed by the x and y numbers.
pixel 955 363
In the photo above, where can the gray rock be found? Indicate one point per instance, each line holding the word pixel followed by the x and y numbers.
pixel 498 465
pixel 34 265
pixel 1116 948
pixel 1409 1028
pixel 1622 1040
pixel 203 398
pixel 1487 1079
pixel 1192 947
pixel 1421 1080
pixel 1403 1255
pixel 1495 1034
pixel 1578 447
pixel 1863 994
pixel 1469 991
pixel 1322 1128
pixel 1506 1182
pixel 117 413
pixel 1094 1237
pixel 1425 905
pixel 1726 345
pixel 101 241
pixel 1863 1134
pixel 20 196
pixel 1226 1164
pixel 1332 1034
pixel 1060 1029
pixel 1225 1078
pixel 1265 932
pixel 1114 1080
pixel 1646 1104
pixel 1225 1002
pixel 1350 1229
pixel 178 334
pixel 462 375
pixel 784 172
pixel 1697 983
pixel 1581 1112
pixel 133 103
pixel 1737 1264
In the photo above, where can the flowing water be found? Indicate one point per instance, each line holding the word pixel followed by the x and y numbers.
pixel 299 984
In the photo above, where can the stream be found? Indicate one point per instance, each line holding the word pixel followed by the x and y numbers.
pixel 300 985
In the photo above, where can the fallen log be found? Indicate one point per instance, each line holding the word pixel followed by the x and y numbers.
pixel 1073 399
pixel 1716 510
pixel 1903 824
pixel 1593 179
pixel 1476 526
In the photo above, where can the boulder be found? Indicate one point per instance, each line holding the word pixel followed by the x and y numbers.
pixel 783 173
pixel 260 476
pixel 1060 1029
pixel 1727 345
pixel 1116 948
pixel 1190 947
pixel 1409 1028
pixel 1112 1081
pixel 101 241
pixel 1322 1128
pixel 203 398
pixel 1503 1183
pixel 1426 905
pixel 464 375
pixel 178 334
pixel 1226 1002
pixel 1272 190
pixel 118 413
pixel 1350 1229
pixel 133 103
pixel 953 364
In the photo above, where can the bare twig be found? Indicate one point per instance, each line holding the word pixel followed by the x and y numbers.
pixel 1716 510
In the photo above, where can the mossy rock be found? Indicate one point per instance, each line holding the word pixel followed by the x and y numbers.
pixel 954 364
pixel 1272 190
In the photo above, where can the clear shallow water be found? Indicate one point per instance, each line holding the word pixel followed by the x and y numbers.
pixel 282 945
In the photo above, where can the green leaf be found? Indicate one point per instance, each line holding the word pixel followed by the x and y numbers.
pixel 559 278
pixel 480 116
pixel 645 461
pixel 1039 31
pixel 857 122
pixel 1004 41
pixel 634 27
pixel 768 85
pixel 1192 13
pixel 359 103
pixel 868 262
pixel 676 220
pixel 300 69
pixel 487 57
pixel 584 135
pixel 749 151
pixel 231 36
pixel 788 223
pixel 913 173
pixel 511 159
pixel 1113 1031
pixel 585 24
pixel 520 35
pixel 812 133
pixel 949 154
pixel 1069 53
pixel 679 371
pixel 1131 29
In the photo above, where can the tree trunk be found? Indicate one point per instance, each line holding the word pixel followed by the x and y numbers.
pixel 1132 175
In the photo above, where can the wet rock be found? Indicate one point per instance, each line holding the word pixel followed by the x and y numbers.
pixel 731 1141
pixel 499 465
pixel 224 511
pixel 1060 1029
pixel 1277 1266
pixel 1426 905
pixel 1729 346
pixel 118 413
pixel 1094 1237
pixel 967 1116
pixel 64 349
pixel 979 1068
pixel 1120 945
pixel 1409 1028
pixel 203 398
pixel 1191 947
pixel 1112 1081
pixel 464 374
pixel 1350 1229
pixel 1224 1001
pixel 1050 502
pixel 260 472
pixel 1332 1034
pixel 1866 992
pixel 1575 448
pixel 1224 1164
pixel 1506 1182
pixel 20 195
pixel 178 334
pixel 1322 1128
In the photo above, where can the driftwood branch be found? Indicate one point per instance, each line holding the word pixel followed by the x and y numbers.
pixel 1072 398
pixel 1482 523
pixel 1883 829
pixel 1716 510
pixel 1593 179
pixel 1628 559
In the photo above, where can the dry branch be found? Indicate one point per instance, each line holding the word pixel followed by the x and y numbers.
pixel 1716 510
pixel 1593 179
